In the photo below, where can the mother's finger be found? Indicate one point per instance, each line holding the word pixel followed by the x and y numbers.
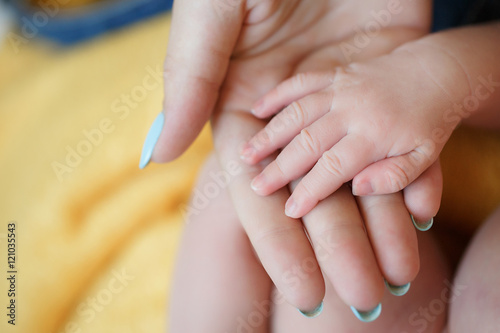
pixel 343 250
pixel 392 236
pixel 423 196
pixel 202 38
pixel 280 242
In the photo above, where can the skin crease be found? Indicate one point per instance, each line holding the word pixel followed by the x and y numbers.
pixel 239 93
pixel 328 139
pixel 289 32
pixel 279 241
pixel 220 286
pixel 228 135
pixel 205 81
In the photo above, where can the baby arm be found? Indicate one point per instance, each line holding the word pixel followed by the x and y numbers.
pixel 381 122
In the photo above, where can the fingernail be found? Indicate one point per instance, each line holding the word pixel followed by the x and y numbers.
pixel 257 107
pixel 247 152
pixel 397 290
pixel 422 226
pixel 364 188
pixel 151 139
pixel 314 313
pixel 258 182
pixel 367 316
pixel 291 207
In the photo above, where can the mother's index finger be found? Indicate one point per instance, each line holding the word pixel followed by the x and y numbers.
pixel 203 35
pixel 280 242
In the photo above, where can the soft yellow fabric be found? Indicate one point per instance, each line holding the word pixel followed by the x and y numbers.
pixel 79 230
pixel 471 172
pixel 76 231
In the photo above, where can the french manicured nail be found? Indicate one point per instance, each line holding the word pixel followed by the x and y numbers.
pixel 151 139
pixel 291 207
pixel 314 313
pixel 362 189
pixel 397 290
pixel 422 226
pixel 368 316
pixel 247 152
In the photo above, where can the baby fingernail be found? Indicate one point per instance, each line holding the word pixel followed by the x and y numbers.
pixel 291 207
pixel 422 226
pixel 397 290
pixel 362 189
pixel 247 152
pixel 258 182
pixel 314 313
pixel 257 107
pixel 151 140
pixel 367 316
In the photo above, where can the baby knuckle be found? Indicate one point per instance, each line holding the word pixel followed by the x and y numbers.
pixel 296 114
pixel 309 143
pixel 332 164
pixel 397 176
pixel 280 167
pixel 306 189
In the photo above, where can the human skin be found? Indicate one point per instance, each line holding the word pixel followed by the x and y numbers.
pixel 382 122
pixel 239 119
pixel 277 42
pixel 476 304
pixel 219 284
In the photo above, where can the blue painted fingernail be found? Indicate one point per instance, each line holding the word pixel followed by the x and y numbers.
pixel 422 226
pixel 368 316
pixel 314 313
pixel 151 139
pixel 397 290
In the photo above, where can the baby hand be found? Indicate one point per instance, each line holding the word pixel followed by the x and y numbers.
pixel 380 122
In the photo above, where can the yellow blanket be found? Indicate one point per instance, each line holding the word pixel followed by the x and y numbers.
pixel 95 236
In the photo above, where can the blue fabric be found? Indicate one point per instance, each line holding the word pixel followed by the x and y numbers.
pixel 71 26
pixel 74 25
pixel 449 13
pixel 453 13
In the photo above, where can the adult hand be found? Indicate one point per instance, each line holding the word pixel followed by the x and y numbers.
pixel 269 41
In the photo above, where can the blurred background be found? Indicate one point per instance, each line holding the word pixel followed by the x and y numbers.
pixel 81 81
